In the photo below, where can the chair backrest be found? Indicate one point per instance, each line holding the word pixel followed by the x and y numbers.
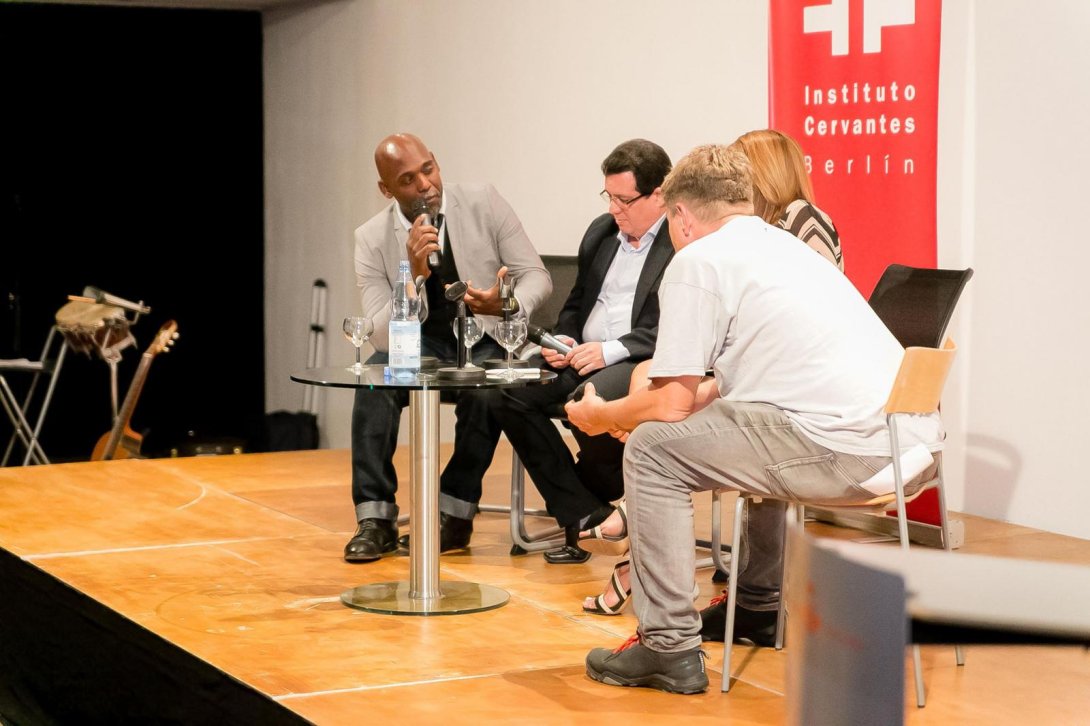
pixel 920 379
pixel 916 304
pixel 563 269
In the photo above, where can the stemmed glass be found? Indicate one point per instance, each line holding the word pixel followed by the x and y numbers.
pixel 474 333
pixel 357 329
pixel 511 334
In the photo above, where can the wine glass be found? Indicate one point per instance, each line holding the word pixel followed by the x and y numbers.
pixel 357 329
pixel 511 334
pixel 474 333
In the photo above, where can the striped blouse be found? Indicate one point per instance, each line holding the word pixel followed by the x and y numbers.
pixel 813 227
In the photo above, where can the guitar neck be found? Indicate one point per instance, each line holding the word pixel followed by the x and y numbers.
pixel 125 415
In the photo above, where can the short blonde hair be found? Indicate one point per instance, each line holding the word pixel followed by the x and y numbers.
pixel 712 179
pixel 779 172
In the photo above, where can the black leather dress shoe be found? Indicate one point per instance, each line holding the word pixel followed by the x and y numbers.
pixel 570 553
pixel 454 533
pixel 373 539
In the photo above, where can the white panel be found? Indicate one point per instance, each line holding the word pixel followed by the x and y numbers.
pixel 1031 308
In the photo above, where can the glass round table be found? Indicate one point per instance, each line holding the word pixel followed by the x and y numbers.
pixel 423 593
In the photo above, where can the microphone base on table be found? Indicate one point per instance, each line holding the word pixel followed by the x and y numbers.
pixel 469 373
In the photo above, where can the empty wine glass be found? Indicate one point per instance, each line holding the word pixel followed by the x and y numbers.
pixel 474 333
pixel 357 329
pixel 511 334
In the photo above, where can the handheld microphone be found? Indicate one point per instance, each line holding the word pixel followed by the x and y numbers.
pixel 545 339
pixel 420 207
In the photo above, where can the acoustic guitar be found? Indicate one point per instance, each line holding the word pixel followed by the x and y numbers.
pixel 121 442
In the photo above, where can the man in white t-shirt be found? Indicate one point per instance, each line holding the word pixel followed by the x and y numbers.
pixel 802 368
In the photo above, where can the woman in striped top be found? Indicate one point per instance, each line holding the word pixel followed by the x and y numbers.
pixel 782 194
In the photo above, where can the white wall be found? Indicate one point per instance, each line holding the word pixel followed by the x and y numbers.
pixel 531 96
pixel 1030 303
pixel 528 96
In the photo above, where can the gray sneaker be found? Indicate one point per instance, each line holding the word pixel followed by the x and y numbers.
pixel 634 664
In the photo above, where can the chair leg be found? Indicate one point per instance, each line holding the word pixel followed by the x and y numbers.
pixel 959 653
pixel 795 517
pixel 902 532
pixel 716 544
pixel 544 540
pixel 732 588
pixel 917 670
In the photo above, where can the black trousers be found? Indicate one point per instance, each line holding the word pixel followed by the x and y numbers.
pixel 572 488
pixel 376 418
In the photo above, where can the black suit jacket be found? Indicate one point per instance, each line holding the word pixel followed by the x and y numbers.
pixel 596 253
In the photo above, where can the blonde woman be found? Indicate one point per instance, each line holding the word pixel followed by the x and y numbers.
pixel 782 193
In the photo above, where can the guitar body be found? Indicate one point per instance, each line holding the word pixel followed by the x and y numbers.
pixel 127 448
pixel 121 442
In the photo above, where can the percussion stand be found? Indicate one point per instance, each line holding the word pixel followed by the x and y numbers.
pixel 111 353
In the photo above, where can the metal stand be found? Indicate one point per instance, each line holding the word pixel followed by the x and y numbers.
pixel 464 371
pixel 423 594
pixel 49 364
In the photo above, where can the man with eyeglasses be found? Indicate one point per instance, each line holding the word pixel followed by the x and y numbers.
pixel 611 321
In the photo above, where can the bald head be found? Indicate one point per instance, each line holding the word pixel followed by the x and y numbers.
pixel 407 172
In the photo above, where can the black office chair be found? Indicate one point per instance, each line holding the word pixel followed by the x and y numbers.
pixel 916 304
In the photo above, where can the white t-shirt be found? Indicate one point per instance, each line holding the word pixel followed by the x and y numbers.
pixel 780 325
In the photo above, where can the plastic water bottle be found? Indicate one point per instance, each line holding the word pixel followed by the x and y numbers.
pixel 404 326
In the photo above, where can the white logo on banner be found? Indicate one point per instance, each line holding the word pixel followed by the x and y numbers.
pixel 877 14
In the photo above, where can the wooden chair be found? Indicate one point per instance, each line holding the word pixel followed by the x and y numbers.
pixel 916 389
pixel 916 304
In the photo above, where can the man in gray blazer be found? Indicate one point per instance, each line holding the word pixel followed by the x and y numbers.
pixel 480 241
pixel 611 319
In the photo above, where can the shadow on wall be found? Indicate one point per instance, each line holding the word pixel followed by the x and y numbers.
pixel 992 469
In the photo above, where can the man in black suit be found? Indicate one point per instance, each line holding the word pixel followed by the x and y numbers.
pixel 611 319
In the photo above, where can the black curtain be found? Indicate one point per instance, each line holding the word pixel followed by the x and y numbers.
pixel 131 160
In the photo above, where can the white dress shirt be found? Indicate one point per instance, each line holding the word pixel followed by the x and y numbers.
pixel 611 316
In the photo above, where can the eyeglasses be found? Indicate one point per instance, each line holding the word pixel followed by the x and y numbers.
pixel 622 203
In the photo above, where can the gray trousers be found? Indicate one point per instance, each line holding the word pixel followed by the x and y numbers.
pixel 739 446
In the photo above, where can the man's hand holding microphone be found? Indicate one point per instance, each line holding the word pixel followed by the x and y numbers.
pixel 561 351
pixel 423 244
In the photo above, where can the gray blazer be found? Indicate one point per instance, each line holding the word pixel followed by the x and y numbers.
pixel 485 234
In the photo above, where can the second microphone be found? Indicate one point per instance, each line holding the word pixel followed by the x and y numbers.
pixel 545 339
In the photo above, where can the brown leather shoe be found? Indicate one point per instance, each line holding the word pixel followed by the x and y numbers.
pixel 373 538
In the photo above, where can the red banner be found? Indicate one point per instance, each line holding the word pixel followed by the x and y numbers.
pixel 856 83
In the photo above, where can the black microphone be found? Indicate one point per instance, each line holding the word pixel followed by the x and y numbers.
pixel 545 339
pixel 420 207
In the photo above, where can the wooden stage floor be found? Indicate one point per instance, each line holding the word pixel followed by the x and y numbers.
pixel 236 560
